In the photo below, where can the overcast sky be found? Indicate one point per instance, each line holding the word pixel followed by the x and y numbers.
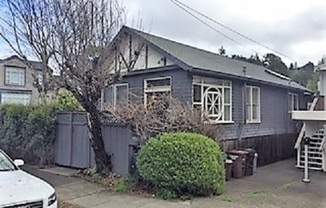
pixel 294 28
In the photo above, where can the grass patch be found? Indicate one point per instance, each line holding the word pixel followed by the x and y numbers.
pixel 124 185
pixel 226 198
pixel 96 177
pixel 265 194
pixel 287 185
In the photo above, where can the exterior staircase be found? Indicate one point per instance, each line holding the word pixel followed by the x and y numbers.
pixel 315 152
pixel 316 148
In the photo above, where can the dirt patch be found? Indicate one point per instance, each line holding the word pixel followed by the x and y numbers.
pixel 116 183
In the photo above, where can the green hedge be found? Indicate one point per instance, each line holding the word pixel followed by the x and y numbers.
pixel 183 164
pixel 28 132
pixel 66 101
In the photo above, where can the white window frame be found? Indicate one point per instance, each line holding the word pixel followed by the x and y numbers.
pixel 7 73
pixel 156 88
pixel 115 93
pixel 291 103
pixel 251 104
pixel 209 83
pixel 39 76
pixel 24 101
pixel 113 100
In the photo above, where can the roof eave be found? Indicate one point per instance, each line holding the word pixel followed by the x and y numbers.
pixel 153 70
pixel 231 76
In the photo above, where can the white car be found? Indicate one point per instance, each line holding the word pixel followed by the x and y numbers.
pixel 19 189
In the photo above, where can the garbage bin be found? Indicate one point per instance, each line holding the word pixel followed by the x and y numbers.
pixel 239 162
pixel 228 168
pixel 250 161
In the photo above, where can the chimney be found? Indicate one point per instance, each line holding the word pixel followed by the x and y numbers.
pixel 244 71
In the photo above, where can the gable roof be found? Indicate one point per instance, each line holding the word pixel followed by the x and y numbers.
pixel 35 64
pixel 191 58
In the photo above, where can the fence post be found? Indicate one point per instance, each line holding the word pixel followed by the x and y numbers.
pixel 71 136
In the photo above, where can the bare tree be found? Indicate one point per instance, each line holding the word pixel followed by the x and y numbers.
pixel 162 113
pixel 73 37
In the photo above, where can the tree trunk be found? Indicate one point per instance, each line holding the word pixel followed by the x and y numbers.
pixel 102 158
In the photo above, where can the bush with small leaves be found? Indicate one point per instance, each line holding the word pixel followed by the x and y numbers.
pixel 28 132
pixel 67 102
pixel 182 163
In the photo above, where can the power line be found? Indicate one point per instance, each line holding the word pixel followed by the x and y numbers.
pixel 202 21
pixel 184 6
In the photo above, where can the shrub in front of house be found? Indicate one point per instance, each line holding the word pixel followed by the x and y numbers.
pixel 182 164
pixel 65 101
pixel 28 132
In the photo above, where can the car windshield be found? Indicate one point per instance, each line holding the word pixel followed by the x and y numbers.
pixel 5 163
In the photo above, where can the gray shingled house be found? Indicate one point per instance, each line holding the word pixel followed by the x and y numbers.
pixel 252 103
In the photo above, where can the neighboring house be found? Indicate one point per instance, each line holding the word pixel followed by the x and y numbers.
pixel 250 102
pixel 16 81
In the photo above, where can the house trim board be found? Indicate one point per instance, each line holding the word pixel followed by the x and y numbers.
pixel 158 49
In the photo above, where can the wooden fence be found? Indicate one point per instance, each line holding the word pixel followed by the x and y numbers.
pixel 73 149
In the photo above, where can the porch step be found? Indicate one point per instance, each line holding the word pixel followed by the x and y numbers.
pixel 310 167
pixel 315 156
pixel 313 148
pixel 315 144
pixel 318 134
pixel 312 160
pixel 312 154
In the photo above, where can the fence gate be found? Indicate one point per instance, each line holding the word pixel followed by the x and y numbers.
pixel 73 149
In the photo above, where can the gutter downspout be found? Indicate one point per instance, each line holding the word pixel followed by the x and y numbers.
pixel 288 114
pixel 244 113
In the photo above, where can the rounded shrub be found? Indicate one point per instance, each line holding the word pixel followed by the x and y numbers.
pixel 182 163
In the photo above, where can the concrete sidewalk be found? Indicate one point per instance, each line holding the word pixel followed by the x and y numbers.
pixel 276 185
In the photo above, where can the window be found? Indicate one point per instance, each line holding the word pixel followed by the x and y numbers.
pixel 39 76
pixel 213 97
pixel 293 101
pixel 117 94
pixel 16 98
pixel 120 94
pixel 14 76
pixel 156 90
pixel 253 104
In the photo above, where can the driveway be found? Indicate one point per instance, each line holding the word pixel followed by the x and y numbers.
pixel 54 179
pixel 274 186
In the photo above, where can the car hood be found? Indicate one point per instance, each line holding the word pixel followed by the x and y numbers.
pixel 21 187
